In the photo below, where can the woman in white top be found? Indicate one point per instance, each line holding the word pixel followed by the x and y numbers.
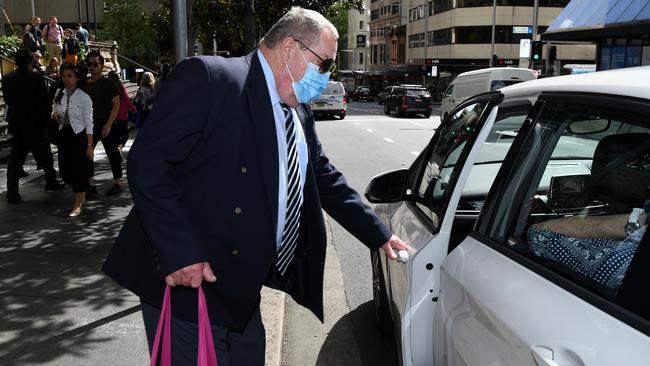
pixel 73 109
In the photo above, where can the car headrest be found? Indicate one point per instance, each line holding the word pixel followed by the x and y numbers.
pixel 620 171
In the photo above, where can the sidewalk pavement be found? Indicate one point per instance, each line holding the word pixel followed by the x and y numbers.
pixel 56 306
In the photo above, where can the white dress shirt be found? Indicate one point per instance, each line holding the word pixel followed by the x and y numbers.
pixel 280 131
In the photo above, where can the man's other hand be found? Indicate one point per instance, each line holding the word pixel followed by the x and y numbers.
pixel 191 275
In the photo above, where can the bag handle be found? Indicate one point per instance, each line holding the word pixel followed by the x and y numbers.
pixel 206 353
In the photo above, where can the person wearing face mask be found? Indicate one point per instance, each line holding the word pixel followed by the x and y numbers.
pixel 229 180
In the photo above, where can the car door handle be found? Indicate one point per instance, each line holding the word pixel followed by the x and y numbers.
pixel 543 356
pixel 402 256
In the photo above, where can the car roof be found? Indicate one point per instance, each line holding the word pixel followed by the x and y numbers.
pixel 631 82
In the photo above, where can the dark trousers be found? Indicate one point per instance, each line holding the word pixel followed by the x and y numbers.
pixel 110 147
pixel 73 161
pixel 122 131
pixel 21 144
pixel 233 349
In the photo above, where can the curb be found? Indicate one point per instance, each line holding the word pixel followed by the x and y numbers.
pixel 272 307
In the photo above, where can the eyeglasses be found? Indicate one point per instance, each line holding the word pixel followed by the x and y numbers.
pixel 327 65
pixel 93 64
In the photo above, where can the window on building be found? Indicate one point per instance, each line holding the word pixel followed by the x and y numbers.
pixel 442 36
pixel 542 3
pixel 442 6
pixel 361 25
pixel 395 8
pixel 361 58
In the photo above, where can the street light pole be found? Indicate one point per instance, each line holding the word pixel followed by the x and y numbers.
pixel 180 29
pixel 494 26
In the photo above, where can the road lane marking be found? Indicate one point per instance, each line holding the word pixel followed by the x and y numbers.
pixel 415 153
pixel 369 130
pixel 357 123
pixel 419 124
pixel 388 140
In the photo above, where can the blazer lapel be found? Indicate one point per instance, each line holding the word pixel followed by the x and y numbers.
pixel 263 125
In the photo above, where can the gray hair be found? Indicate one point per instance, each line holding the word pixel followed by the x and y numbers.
pixel 298 23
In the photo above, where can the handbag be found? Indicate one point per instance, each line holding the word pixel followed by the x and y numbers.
pixel 206 353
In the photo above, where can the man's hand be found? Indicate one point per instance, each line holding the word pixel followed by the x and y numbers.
pixel 191 275
pixel 394 243
pixel 106 130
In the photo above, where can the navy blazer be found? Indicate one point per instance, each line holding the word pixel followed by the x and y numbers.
pixel 203 172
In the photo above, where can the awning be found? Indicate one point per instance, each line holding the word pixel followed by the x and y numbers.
pixel 589 20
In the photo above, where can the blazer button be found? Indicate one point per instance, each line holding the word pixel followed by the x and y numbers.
pixel 235 252
pixel 237 210
pixel 244 169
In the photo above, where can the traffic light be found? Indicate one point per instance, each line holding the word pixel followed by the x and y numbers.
pixel 536 48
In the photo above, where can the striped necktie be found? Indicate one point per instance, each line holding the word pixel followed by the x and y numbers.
pixel 294 196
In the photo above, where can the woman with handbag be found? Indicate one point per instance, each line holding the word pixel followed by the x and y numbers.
pixel 73 110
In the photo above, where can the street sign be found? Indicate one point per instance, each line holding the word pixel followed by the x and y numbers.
pixel 434 70
pixel 522 30
pixel 524 48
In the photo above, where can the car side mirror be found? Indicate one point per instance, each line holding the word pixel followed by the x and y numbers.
pixel 388 187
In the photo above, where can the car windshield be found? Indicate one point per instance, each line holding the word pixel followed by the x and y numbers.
pixel 417 92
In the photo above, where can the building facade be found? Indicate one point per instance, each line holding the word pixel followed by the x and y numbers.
pixel 358 37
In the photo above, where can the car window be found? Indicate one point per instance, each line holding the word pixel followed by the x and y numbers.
pixel 586 168
pixel 441 168
pixel 334 89
pixel 417 92
pixel 491 155
pixel 449 91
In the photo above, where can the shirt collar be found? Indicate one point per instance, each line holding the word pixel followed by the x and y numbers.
pixel 270 79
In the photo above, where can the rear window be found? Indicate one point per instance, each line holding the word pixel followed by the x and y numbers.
pixel 498 84
pixel 417 92
pixel 334 89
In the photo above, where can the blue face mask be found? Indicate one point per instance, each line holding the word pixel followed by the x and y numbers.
pixel 312 83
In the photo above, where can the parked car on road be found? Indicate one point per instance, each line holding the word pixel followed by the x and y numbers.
pixel 331 102
pixel 362 93
pixel 523 220
pixel 408 99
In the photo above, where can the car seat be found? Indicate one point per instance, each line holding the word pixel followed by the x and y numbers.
pixel 620 171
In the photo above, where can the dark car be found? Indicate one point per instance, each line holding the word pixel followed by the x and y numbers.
pixel 362 93
pixel 408 100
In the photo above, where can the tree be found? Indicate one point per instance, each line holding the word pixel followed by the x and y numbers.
pixel 128 24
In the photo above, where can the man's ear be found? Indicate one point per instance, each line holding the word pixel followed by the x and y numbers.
pixel 286 49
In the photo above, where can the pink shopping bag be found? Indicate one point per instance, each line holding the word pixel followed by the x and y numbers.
pixel 206 354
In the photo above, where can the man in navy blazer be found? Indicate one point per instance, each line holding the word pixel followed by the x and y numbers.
pixel 209 180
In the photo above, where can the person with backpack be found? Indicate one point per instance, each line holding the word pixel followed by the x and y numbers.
pixel 52 34
pixel 70 48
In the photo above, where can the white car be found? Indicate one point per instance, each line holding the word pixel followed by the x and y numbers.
pixel 331 102
pixel 479 284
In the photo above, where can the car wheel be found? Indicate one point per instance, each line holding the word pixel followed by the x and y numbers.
pixel 397 113
pixel 427 115
pixel 386 110
pixel 383 320
pixel 342 115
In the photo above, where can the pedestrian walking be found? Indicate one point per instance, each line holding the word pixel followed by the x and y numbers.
pixel 73 110
pixel 106 104
pixel 229 181
pixel 25 94
pixel 144 99
pixel 126 106
pixel 53 34
pixel 32 37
